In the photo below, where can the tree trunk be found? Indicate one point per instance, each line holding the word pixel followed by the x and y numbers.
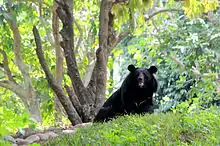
pixel 98 79
pixel 33 106
pixel 59 63
pixel 86 100
pixel 28 97
pixel 26 92
pixel 73 116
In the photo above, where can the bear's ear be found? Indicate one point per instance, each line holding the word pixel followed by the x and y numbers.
pixel 152 69
pixel 131 68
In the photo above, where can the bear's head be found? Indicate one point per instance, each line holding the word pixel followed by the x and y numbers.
pixel 143 77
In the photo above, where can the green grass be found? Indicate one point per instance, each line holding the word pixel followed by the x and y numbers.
pixel 202 128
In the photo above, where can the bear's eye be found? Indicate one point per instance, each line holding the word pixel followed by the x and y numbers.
pixel 146 76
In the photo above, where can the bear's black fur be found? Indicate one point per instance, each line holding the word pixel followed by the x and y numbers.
pixel 134 95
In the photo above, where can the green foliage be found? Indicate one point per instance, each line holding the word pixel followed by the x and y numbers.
pixel 27 14
pixel 132 13
pixel 35 144
pixel 121 12
pixel 200 128
pixel 178 48
pixel 10 121
pixel 186 36
pixel 190 43
pixel 194 8
pixel 13 116
pixel 139 5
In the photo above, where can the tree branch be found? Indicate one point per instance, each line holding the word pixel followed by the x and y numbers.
pixel 6 67
pixel 17 51
pixel 18 90
pixel 74 99
pixel 64 11
pixel 107 41
pixel 210 18
pixel 98 79
pixel 65 101
pixel 14 88
pixel 59 60
pixel 178 62
pixel 59 52
pixel 81 34
pixel 208 75
pixel 196 70
pixel 1 69
pixel 160 11
pixel 40 7
pixel 120 37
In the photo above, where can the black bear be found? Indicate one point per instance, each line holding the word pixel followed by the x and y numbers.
pixel 134 95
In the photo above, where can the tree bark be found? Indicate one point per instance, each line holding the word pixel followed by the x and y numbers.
pixel 7 71
pixel 11 84
pixel 107 41
pixel 86 99
pixel 65 14
pixel 29 99
pixel 33 105
pixel 97 83
pixel 65 101
pixel 27 92
pixel 59 63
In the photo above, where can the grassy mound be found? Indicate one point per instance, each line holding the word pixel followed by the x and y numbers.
pixel 202 128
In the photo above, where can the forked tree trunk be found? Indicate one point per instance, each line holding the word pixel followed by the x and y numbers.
pixel 26 91
pixel 73 116
pixel 82 102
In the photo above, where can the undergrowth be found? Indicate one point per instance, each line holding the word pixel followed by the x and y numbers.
pixel 159 129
